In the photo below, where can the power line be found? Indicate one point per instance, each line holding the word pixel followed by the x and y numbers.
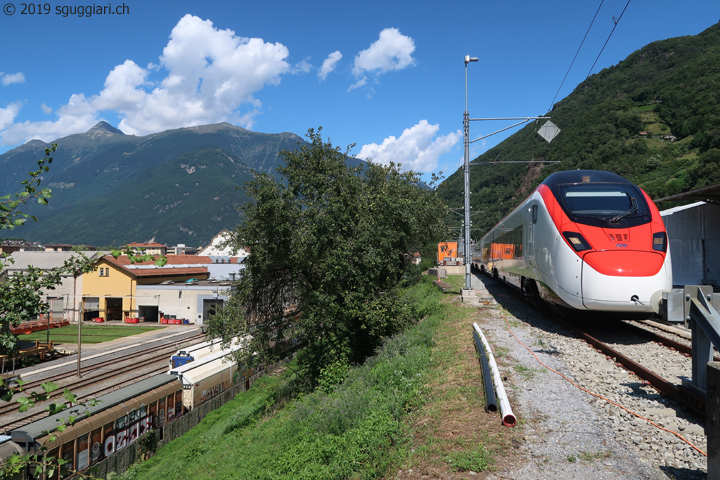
pixel 576 54
pixel 615 21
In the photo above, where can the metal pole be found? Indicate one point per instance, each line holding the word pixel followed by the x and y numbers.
pixel 82 315
pixel 466 136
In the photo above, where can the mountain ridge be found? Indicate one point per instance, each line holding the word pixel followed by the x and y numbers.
pixel 99 180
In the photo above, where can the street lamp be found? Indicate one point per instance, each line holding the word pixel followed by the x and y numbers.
pixel 548 132
pixel 466 139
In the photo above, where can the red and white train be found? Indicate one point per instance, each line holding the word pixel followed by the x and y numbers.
pixel 584 240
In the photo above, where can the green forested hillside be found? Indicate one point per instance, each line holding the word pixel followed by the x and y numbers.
pixel 178 186
pixel 191 197
pixel 654 118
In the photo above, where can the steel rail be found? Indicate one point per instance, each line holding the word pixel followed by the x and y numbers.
pixel 668 342
pixel 671 390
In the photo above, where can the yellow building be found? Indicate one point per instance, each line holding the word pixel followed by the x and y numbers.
pixel 110 292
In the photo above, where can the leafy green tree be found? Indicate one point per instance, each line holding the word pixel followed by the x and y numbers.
pixel 10 214
pixel 20 295
pixel 328 252
pixel 21 299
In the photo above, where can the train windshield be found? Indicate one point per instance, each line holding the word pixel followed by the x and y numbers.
pixel 604 204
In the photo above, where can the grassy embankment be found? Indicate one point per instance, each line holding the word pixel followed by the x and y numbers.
pixel 417 406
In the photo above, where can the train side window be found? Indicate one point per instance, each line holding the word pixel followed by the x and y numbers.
pixel 82 455
pixel 68 454
pixel 534 214
pixel 162 414
pixel 178 403
pixel 170 407
pixel 96 446
pixel 50 458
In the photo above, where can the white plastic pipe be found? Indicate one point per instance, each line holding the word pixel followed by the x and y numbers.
pixel 508 419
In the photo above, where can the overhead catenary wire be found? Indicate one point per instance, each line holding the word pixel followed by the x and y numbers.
pixel 615 21
pixel 576 55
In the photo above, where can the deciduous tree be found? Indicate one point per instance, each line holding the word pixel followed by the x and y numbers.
pixel 329 244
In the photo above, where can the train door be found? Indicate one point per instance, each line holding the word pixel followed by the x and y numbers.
pixel 530 247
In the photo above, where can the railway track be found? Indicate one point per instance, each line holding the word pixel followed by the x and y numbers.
pixel 630 345
pixel 635 349
pixel 97 377
pixel 621 394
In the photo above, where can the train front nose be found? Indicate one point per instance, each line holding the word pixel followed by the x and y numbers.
pixel 622 280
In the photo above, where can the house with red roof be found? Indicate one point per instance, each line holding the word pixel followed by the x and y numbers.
pixel 187 288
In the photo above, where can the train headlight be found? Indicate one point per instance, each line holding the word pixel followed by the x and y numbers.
pixel 577 241
pixel 660 242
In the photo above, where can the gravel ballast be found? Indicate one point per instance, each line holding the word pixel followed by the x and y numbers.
pixel 567 432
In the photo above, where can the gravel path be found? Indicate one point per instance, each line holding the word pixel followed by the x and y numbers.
pixel 568 433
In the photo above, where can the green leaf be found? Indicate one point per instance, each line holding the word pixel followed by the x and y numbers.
pixel 49 387
pixel 56 407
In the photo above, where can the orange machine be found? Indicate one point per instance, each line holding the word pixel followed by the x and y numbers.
pixel 447 252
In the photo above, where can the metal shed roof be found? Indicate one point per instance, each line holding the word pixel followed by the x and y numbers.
pixel 710 194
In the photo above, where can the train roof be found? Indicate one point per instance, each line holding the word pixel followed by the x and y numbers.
pixel 41 427
pixel 220 354
pixel 201 372
pixel 583 176
pixel 198 346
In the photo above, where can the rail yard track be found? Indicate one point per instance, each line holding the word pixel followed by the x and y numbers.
pixel 101 372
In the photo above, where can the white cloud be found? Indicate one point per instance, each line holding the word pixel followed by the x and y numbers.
pixel 329 64
pixel 45 109
pixel 211 75
pixel 8 114
pixel 417 149
pixel 360 83
pixel 303 66
pixel 8 78
pixel 391 52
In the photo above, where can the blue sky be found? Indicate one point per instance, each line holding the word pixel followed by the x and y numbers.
pixel 386 76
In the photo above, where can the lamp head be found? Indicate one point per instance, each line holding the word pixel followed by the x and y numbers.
pixel 469 59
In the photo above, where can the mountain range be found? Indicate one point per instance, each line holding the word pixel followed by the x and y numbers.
pixel 109 189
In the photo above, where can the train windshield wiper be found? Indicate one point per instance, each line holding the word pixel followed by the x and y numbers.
pixel 634 209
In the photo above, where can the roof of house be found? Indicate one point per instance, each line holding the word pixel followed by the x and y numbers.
pixel 123 260
pixel 42 259
pixel 169 272
pixel 149 269
pixel 146 245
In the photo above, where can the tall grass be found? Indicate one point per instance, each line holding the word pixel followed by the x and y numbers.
pixel 354 430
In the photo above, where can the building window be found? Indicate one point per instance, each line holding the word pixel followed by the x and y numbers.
pixel 104 272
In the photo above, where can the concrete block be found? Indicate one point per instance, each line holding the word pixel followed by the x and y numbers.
pixel 469 296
